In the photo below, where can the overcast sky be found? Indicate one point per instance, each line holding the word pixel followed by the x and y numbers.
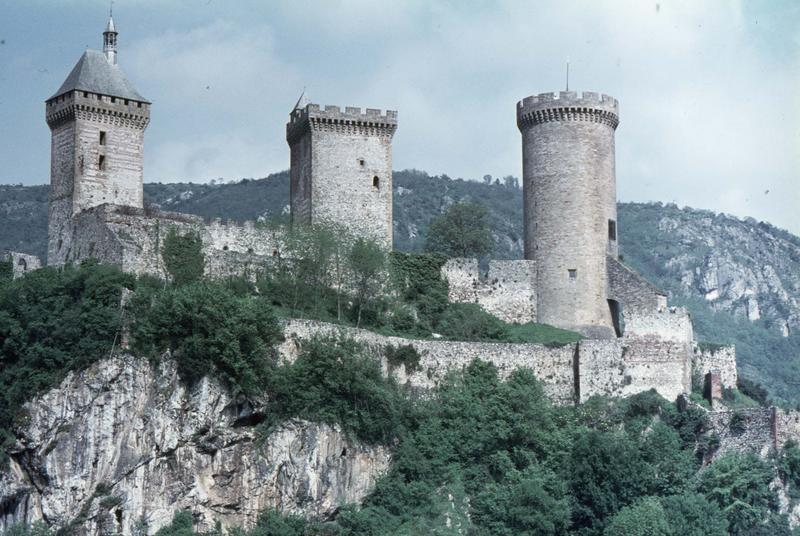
pixel 709 91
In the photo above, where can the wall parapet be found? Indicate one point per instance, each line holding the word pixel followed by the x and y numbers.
pixel 312 117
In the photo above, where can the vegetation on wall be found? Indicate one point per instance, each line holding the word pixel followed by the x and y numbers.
pixel 183 256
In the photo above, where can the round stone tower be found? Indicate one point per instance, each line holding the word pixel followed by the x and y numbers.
pixel 570 210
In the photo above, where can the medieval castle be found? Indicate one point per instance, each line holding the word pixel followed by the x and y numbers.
pixel 341 172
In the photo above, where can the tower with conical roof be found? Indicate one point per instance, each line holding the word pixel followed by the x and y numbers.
pixel 97 120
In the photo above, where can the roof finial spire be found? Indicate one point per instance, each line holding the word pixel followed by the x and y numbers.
pixel 110 37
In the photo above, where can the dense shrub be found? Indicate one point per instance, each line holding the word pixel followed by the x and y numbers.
pixel 469 322
pixel 405 355
pixel 209 330
pixel 183 256
pixel 333 381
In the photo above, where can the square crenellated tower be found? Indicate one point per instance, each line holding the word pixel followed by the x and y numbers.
pixel 341 169
pixel 97 120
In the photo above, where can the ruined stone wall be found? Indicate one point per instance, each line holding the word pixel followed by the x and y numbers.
pixel 787 426
pixel 133 240
pixel 721 359
pixel 553 366
pixel 21 263
pixel 632 291
pixel 672 324
pixel 346 159
pixel 569 196
pixel 507 290
pixel 623 367
pixel 744 430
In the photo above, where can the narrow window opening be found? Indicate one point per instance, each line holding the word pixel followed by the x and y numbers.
pixel 23 264
pixel 376 182
pixel 113 99
pixel 225 247
pixel 616 317
pixel 573 273
pixel 85 94
pixel 612 230
pixel 102 137
pixel 361 162
pixel 126 102
pixel 101 162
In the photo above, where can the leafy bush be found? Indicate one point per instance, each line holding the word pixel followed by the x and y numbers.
pixel 6 271
pixel 418 281
pixel 739 485
pixel 404 354
pixel 646 517
pixel 183 256
pixel 469 322
pixel 462 231
pixel 333 381
pixel 209 330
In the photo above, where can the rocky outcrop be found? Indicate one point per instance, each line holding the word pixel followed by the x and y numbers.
pixel 739 266
pixel 124 444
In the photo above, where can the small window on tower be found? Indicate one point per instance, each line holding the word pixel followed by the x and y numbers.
pixel 361 162
pixel 102 137
pixel 612 230
pixel 101 162
pixel 376 182
pixel 573 273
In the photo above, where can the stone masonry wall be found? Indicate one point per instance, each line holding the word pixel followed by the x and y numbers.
pixel 634 292
pixel 553 366
pixel 21 263
pixel 507 290
pixel 609 367
pixel 721 359
pixel 674 324
pixel 623 367
pixel 133 240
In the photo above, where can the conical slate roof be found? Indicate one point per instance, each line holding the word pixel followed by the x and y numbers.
pixel 94 73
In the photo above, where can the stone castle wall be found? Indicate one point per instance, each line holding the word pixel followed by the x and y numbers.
pixel 341 169
pixel 623 367
pixel 569 200
pixel 133 240
pixel 507 290
pixel 634 292
pixel 721 359
pixel 21 263
pixel 672 324
pixel 574 372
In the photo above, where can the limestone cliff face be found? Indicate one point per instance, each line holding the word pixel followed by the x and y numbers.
pixel 124 445
pixel 739 266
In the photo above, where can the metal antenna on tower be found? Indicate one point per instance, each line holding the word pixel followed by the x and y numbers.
pixel 567 75
pixel 111 9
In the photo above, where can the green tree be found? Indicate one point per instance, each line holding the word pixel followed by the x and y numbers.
pixel 209 329
pixel 691 514
pixel 644 518
pixel 183 256
pixel 739 485
pixel 368 271
pixel 462 231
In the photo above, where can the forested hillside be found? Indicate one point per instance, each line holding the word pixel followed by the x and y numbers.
pixel 739 278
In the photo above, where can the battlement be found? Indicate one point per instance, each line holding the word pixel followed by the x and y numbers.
pixel 88 105
pixel 568 106
pixel 372 120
